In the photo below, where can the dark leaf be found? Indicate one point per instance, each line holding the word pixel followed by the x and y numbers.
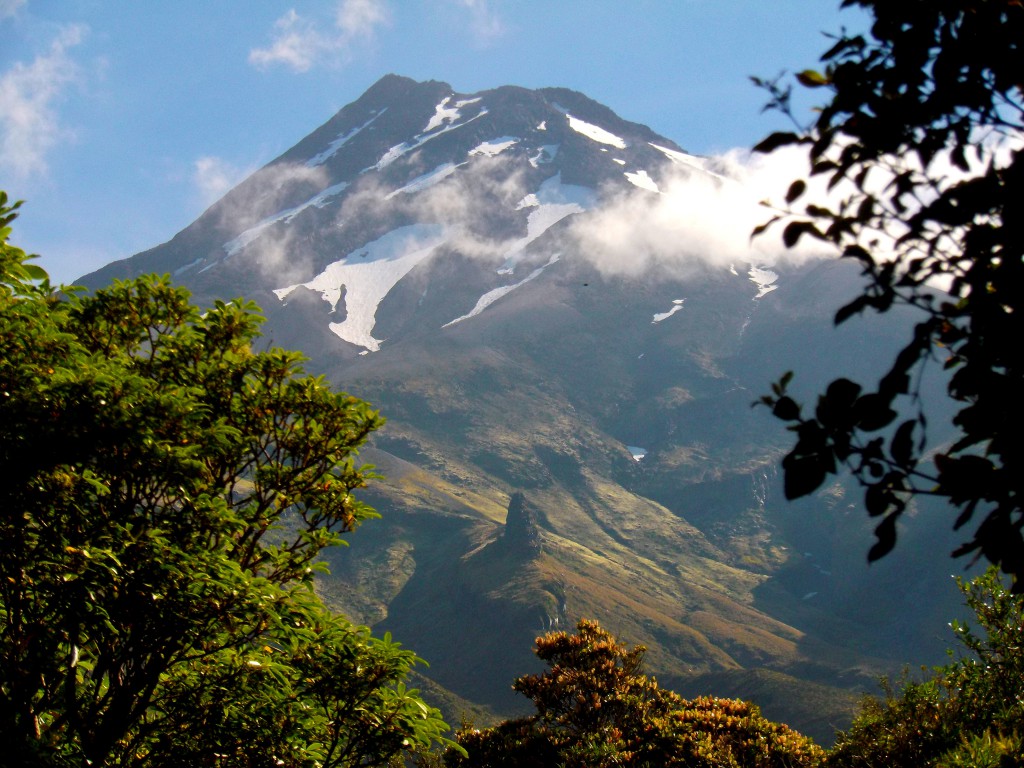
pixel 855 307
pixel 959 158
pixel 886 535
pixel 842 393
pixel 872 412
pixel 803 475
pixel 796 189
pixel 902 445
pixel 832 415
pixel 964 517
pixel 761 228
pixel 786 409
pixel 877 499
pixel 796 229
pixel 776 140
pixel 965 477
pixel 860 253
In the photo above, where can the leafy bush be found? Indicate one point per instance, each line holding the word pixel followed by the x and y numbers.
pixel 969 712
pixel 165 492
pixel 596 708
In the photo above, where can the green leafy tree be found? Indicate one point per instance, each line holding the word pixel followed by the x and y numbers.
pixel 165 489
pixel 967 713
pixel 595 708
pixel 921 139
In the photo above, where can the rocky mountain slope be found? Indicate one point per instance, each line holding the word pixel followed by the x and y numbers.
pixel 568 395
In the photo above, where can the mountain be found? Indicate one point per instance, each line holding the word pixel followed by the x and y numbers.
pixel 568 377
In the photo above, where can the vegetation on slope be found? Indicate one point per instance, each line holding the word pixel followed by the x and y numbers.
pixel 166 493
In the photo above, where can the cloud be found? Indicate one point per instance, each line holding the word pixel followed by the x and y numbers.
pixel 464 203
pixel 485 23
pixel 9 7
pixel 214 177
pixel 300 44
pixel 29 125
pixel 359 19
pixel 704 210
pixel 251 211
pixel 699 216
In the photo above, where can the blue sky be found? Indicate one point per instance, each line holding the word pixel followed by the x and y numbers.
pixel 121 120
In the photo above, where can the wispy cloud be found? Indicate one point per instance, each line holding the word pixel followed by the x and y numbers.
pixel 697 218
pixel 251 211
pixel 359 19
pixel 29 124
pixel 213 177
pixel 300 43
pixel 464 203
pixel 9 7
pixel 484 22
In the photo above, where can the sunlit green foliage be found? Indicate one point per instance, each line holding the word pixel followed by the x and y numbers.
pixel 596 708
pixel 165 491
pixel 967 713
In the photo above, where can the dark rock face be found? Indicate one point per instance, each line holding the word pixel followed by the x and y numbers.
pixel 521 533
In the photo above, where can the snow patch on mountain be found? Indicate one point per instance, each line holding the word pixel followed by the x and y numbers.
pixel 545 154
pixel 442 114
pixel 367 275
pixel 492 296
pixel 494 146
pixel 427 180
pixel 552 202
pixel 677 304
pixel 318 200
pixel 405 147
pixel 341 140
pixel 764 279
pixel 185 268
pixel 690 161
pixel 595 133
pixel 642 180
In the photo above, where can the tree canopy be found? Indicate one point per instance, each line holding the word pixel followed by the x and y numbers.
pixel 968 713
pixel 921 140
pixel 596 708
pixel 166 488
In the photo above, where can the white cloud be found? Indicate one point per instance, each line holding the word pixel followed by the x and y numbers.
pixel 281 191
pixel 300 44
pixel 9 7
pixel 359 19
pixel 463 202
pixel 29 125
pixel 697 218
pixel 706 209
pixel 213 178
pixel 484 22
pixel 297 44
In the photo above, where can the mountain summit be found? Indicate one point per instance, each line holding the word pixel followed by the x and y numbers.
pixel 491 271
pixel 405 176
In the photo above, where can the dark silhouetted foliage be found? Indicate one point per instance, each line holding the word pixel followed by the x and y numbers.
pixel 921 139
